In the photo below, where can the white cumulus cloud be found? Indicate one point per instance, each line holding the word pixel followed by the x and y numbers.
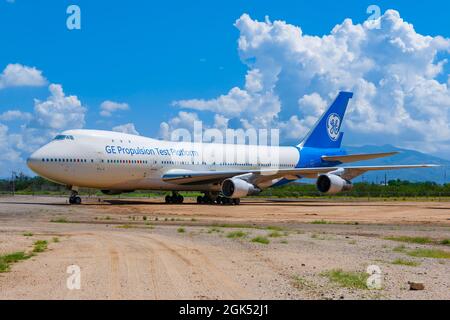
pixel 184 120
pixel 126 128
pixel 17 75
pixel 59 112
pixel 12 115
pixel 9 153
pixel 107 108
pixel 394 71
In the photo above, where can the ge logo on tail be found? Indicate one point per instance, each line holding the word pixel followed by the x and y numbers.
pixel 333 126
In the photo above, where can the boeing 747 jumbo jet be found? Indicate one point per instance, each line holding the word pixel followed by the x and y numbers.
pixel 117 163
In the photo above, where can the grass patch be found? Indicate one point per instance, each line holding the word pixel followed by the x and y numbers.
pixel 284 241
pixel 445 242
pixel 8 259
pixel 40 246
pixel 351 223
pixel 125 226
pixel 275 234
pixel 236 234
pixel 347 279
pixel 401 248
pixel 274 228
pixel 60 220
pixel 418 240
pixel 240 226
pixel 247 226
pixel 404 262
pixel 262 240
pixel 300 283
pixel 429 253
pixel 181 230
pixel 55 239
pixel 28 234
pixel 320 222
pixel 212 230
pixel 321 237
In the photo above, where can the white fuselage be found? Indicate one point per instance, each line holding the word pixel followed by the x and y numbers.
pixel 116 161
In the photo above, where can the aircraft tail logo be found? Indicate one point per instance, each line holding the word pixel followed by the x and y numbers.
pixel 330 122
pixel 333 126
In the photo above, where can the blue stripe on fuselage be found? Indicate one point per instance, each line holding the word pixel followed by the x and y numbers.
pixel 312 157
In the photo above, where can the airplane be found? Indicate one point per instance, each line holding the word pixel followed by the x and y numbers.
pixel 118 163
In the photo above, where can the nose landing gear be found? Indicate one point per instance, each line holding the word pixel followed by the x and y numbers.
pixel 74 198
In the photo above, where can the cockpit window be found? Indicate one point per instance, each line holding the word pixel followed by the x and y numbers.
pixel 63 137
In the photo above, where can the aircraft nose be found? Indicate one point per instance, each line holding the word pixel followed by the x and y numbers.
pixel 35 161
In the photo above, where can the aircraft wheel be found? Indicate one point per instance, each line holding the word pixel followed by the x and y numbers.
pixel 180 199
pixel 236 201
pixel 200 200
pixel 75 200
pixel 168 199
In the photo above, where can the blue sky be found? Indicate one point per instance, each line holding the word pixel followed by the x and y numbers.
pixel 148 54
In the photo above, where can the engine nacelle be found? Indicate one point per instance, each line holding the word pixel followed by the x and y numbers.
pixel 238 188
pixel 332 184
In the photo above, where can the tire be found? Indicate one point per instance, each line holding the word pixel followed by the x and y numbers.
pixel 71 200
pixel 180 199
pixel 168 199
pixel 219 200
pixel 236 202
pixel 200 200
pixel 77 200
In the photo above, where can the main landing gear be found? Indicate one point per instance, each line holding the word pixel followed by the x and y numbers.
pixel 175 198
pixel 209 199
pixel 74 198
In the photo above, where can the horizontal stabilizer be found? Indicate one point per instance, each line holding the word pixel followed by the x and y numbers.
pixel 357 157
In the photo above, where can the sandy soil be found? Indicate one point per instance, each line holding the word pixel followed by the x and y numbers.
pixel 123 256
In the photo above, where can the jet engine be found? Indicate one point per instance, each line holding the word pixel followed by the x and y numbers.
pixel 237 188
pixel 332 184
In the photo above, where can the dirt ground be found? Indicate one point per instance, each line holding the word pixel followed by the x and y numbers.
pixel 144 249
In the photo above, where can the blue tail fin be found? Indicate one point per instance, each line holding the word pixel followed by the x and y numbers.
pixel 326 133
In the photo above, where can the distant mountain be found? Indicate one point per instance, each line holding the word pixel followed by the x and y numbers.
pixel 439 175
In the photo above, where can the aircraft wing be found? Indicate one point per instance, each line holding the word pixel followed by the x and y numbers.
pixel 262 175
pixel 357 157
pixel 349 173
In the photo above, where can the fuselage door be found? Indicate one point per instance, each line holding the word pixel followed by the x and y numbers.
pixel 100 162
